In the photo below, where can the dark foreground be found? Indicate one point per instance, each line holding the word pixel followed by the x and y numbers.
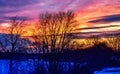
pixel 69 62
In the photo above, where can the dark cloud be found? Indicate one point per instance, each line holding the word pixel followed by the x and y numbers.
pixel 16 17
pixel 86 32
pixel 83 35
pixel 16 3
pixel 5 19
pixel 106 19
pixel 8 11
pixel 87 28
pixel 80 35
pixel 10 7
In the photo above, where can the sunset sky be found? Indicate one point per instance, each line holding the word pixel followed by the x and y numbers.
pixel 94 16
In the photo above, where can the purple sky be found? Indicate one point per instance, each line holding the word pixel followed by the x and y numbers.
pixel 91 13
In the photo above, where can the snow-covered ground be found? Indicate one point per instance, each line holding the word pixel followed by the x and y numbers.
pixel 112 70
pixel 29 66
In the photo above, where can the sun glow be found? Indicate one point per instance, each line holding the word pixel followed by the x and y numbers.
pixel 5 25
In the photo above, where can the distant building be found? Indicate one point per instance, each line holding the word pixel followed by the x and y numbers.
pixel 109 71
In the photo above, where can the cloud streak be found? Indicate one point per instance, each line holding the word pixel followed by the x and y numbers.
pixel 16 17
pixel 106 19
pixel 7 19
pixel 16 3
pixel 99 27
pixel 83 35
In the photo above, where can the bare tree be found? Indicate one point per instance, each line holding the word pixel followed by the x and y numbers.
pixel 13 37
pixel 54 31
pixel 11 41
pixel 15 31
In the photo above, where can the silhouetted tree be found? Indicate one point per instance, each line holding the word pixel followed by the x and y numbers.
pixel 13 37
pixel 53 33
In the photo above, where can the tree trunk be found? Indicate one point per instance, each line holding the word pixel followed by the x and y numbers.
pixel 10 66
